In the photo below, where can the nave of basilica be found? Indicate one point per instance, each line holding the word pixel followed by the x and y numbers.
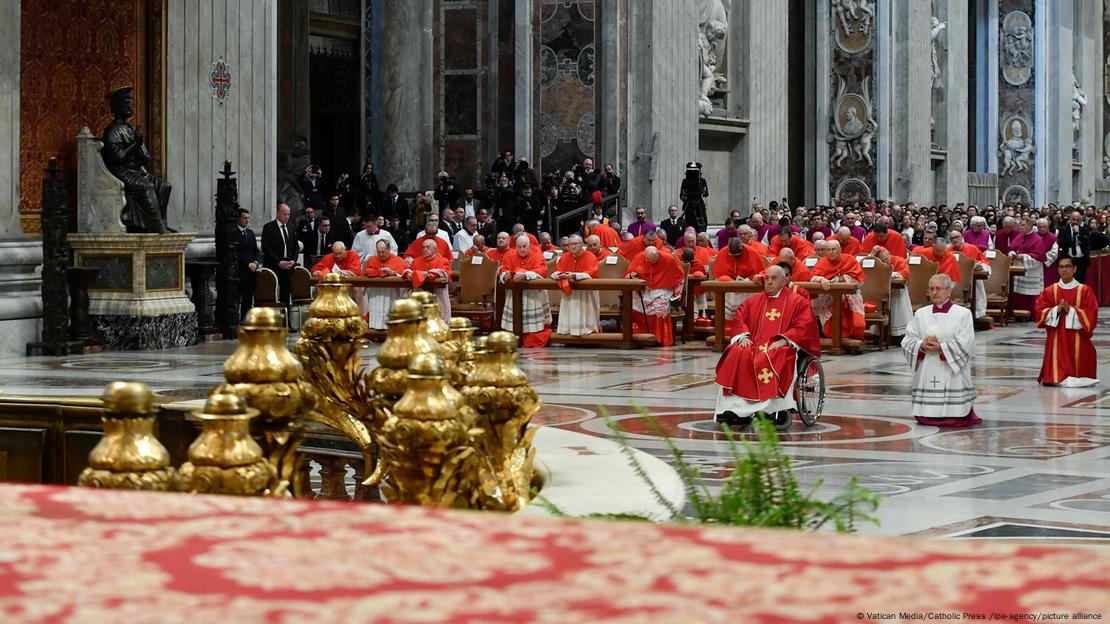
pixel 554 310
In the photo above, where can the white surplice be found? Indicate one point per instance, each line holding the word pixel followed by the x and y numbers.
pixel 377 302
pixel 1032 283
pixel 901 310
pixel 580 313
pixel 535 305
pixel 941 388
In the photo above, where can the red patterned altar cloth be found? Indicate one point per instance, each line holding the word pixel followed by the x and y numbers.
pixel 79 555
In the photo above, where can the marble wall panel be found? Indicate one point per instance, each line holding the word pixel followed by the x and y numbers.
pixel 853 119
pixel 566 75
pixel 1016 111
pixel 201 131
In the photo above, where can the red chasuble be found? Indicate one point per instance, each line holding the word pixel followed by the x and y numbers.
pixel 632 248
pixel 1068 352
pixel 416 249
pixel 747 265
pixel 350 262
pixel 851 321
pixel 584 263
pixel 851 247
pixel 374 266
pixel 895 244
pixel 608 236
pixel 421 266
pixel 802 248
pixel 947 264
pixel 758 373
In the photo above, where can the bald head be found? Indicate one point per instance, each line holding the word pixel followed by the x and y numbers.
pixel 523 246
pixel 735 246
pixel 652 255
pixel 843 233
pixel 786 255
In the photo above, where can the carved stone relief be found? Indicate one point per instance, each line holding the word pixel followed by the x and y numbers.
pixel 852 131
pixel 712 43
pixel 851 191
pixel 1017 47
pixel 854 23
pixel 1015 152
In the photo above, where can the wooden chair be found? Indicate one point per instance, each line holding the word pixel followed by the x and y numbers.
pixel 998 285
pixel 266 289
pixel 921 270
pixel 611 300
pixel 301 296
pixel 962 292
pixel 477 288
pixel 876 291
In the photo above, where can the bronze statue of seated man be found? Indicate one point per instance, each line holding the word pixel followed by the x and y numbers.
pixel 126 156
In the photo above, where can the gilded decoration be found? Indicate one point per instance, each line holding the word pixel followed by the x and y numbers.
pixel 443 420
pixel 129 455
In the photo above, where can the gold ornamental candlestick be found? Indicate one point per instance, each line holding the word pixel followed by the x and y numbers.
pixel 265 373
pixel 129 456
pixel 426 444
pixel 458 350
pixel 225 459
pixel 330 350
pixel 406 338
pixel 433 316
pixel 499 392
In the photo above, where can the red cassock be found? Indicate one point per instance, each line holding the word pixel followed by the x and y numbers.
pixel 421 266
pixel 511 262
pixel 801 247
pixel 665 274
pixel 634 247
pixel 603 254
pixel 584 263
pixel 1068 352
pixel 947 264
pixel 608 236
pixel 900 266
pixel 350 262
pixel 747 265
pixel 416 249
pixel 496 253
pixel 758 373
pixel 701 260
pixel 851 322
pixel 971 251
pixel 894 243
pixel 374 266
pixel 763 250
pixel 850 247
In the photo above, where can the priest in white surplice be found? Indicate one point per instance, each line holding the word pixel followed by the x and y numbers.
pixel 580 310
pixel 939 344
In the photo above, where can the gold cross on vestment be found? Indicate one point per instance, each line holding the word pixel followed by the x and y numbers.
pixel 773 314
pixel 765 375
pixel 763 348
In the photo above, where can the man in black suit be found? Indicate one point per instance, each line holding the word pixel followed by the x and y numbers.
pixel 306 228
pixel 395 205
pixel 279 251
pixel 486 227
pixel 313 187
pixel 448 223
pixel 673 225
pixel 343 229
pixel 1074 240
pixel 320 243
pixel 247 247
pixel 469 204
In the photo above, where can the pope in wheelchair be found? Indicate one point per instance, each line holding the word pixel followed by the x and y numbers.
pixel 771 365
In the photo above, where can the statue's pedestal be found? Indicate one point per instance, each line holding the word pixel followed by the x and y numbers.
pixel 137 301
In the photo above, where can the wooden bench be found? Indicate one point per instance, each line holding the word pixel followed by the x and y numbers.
pixel 624 287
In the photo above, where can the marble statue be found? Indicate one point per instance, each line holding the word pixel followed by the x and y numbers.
pixel 1015 150
pixel 853 124
pixel 712 41
pixel 126 156
pixel 854 16
pixel 1078 102
pixel 938 28
pixel 1106 156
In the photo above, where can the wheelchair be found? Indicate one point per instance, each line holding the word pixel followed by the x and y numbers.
pixel 809 396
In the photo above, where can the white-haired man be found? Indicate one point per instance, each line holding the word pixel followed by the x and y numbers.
pixel 580 310
pixel 939 346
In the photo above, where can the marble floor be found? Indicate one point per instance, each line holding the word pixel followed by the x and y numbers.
pixel 1038 468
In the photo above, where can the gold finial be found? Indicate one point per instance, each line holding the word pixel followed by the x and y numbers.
pixel 404 310
pixel 265 317
pixel 128 397
pixel 333 278
pixel 225 459
pixel 432 317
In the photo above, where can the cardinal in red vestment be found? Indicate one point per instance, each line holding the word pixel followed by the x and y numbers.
pixel 527 263
pixel 880 236
pixel 848 243
pixel 339 260
pixel 1069 311
pixel 651 308
pixel 632 248
pixel 383 263
pixel 787 240
pixel 608 236
pixel 757 371
pixel 936 250
pixel 416 248
pixel 430 265
pixel 838 266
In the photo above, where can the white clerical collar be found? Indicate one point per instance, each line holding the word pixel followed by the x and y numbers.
pixel 776 295
pixel 1069 285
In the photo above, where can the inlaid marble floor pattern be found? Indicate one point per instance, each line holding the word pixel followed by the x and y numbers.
pixel 1038 468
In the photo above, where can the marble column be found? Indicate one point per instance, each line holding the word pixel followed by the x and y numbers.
pixel 910 101
pixel 663 96
pixel 610 59
pixel 1059 138
pixel 524 86
pixel 950 110
pixel 9 120
pixel 1088 64
pixel 817 101
pixel 401 80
